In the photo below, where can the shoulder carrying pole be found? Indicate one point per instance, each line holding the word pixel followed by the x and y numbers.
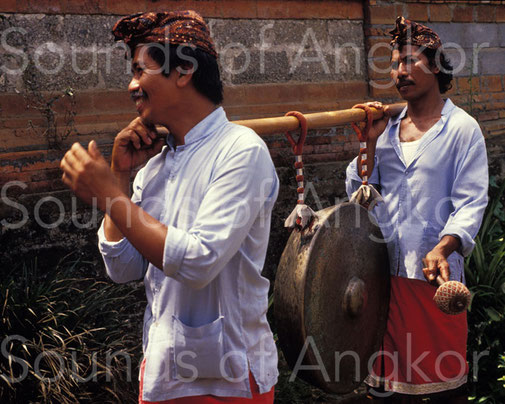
pixel 317 120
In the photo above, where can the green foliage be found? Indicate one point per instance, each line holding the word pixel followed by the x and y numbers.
pixel 66 337
pixel 485 275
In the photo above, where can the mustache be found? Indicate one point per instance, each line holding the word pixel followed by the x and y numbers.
pixel 402 83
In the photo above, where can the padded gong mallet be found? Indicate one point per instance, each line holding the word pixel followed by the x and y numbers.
pixel 452 297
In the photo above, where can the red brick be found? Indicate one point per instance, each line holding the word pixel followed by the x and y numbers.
pixel 298 9
pixel 486 13
pixel 41 165
pixel 237 9
pixel 467 84
pixel 13 104
pixel 382 14
pixel 440 12
pixel 382 88
pixel 318 140
pixel 378 48
pixel 500 13
pixel 489 116
pixel 8 6
pixel 275 144
pixel 83 103
pixel 124 7
pixel 271 9
pixel 351 9
pixel 37 121
pixel 40 6
pixel 380 64
pixel 323 148
pixel 84 6
pixel 498 96
pixel 95 129
pixel 491 83
pixel 376 75
pixel 207 8
pixel 379 51
pixel 452 90
pixel 480 97
pixel 462 14
pixel 417 12
pixel 495 106
pixel 346 9
pixel 374 31
pixel 268 110
pixel 233 94
pixel 293 9
pixel 101 118
pixel 268 94
pixel 113 101
pixel 353 90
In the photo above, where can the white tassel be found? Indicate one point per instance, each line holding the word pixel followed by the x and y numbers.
pixel 366 196
pixel 300 211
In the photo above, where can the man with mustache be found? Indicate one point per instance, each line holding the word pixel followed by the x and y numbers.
pixel 197 226
pixel 430 166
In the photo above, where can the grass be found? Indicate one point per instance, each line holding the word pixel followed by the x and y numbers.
pixel 485 274
pixel 67 338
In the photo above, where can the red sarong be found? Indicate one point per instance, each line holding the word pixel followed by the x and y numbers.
pixel 424 350
pixel 265 398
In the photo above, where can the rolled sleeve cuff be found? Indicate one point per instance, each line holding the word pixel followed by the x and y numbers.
pixel 111 248
pixel 466 240
pixel 176 243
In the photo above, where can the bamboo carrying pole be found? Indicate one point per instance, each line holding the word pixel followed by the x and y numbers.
pixel 317 120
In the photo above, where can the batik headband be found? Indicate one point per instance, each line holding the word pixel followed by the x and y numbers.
pixel 173 27
pixel 409 32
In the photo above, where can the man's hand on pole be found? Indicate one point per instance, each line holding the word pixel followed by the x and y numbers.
pixel 375 131
pixel 379 124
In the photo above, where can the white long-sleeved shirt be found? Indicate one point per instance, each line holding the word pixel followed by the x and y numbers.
pixel 441 191
pixel 205 324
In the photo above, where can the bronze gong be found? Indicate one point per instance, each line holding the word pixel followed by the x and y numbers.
pixel 331 298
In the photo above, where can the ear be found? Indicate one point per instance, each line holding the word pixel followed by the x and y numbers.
pixel 433 66
pixel 184 76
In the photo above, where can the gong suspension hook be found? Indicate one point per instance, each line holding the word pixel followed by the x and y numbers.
pixel 362 134
pixel 298 151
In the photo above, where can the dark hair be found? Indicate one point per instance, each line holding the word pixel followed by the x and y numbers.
pixel 439 59
pixel 206 77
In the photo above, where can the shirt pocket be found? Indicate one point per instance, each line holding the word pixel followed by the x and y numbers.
pixel 430 238
pixel 199 351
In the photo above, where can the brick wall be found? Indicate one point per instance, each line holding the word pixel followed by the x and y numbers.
pixel 276 56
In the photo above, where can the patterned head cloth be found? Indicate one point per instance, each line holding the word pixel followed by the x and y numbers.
pixel 409 32
pixel 172 27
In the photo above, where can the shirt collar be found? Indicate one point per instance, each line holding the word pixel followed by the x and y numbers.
pixel 448 107
pixel 202 129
